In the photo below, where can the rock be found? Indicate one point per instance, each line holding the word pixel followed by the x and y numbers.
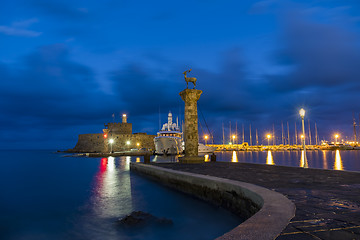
pixel 142 219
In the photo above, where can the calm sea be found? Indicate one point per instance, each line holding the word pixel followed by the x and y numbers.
pixel 347 160
pixel 44 195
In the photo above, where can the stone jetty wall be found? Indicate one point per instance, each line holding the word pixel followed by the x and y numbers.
pixel 97 143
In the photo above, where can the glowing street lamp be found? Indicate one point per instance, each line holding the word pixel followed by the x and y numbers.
pixel 206 138
pixel 302 115
pixel 233 137
pixel 138 144
pixel 111 141
pixel 336 137
pixel 268 138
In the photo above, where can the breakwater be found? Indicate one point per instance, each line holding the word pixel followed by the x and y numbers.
pixel 265 209
pixel 327 202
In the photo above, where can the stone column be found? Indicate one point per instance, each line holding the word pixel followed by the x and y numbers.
pixel 191 134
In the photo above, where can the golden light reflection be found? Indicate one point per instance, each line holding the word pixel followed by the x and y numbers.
pixel 207 158
pixel 303 163
pixel 137 159
pixel 338 163
pixel 234 157
pixel 269 159
pixel 324 160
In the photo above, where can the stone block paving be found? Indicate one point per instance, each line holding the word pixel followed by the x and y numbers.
pixel 327 201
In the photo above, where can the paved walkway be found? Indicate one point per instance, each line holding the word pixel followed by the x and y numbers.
pixel 327 201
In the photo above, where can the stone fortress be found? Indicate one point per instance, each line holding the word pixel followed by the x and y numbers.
pixel 120 133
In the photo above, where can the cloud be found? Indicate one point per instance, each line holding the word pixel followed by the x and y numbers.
pixel 62 9
pixel 19 29
pixel 49 94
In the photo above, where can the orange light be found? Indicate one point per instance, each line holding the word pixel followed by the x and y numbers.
pixel 105 135
pixel 268 136
pixel 206 137
pixel 301 136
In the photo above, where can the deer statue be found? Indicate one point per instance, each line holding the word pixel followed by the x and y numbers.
pixel 189 79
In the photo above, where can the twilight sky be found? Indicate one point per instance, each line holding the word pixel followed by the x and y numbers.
pixel 67 66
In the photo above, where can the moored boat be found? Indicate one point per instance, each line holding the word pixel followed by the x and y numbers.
pixel 169 139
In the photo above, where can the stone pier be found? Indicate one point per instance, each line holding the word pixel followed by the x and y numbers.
pixel 191 134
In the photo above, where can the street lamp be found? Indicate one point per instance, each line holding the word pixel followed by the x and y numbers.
pixel 302 115
pixel 111 141
pixel 336 137
pixel 206 138
pixel 137 144
pixel 268 138
pixel 233 137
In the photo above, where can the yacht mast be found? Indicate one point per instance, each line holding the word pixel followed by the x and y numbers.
pixel 250 136
pixel 282 132
pixel 316 135
pixel 309 132
pixel 257 139
pixel 236 133
pixel 273 135
pixel 223 133
pixel 243 133
pixel 296 135
pixel 354 122
pixel 287 123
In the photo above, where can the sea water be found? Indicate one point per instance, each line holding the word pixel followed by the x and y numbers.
pixel 345 160
pixel 46 195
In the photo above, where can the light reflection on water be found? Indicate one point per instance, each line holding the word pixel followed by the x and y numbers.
pixel 49 196
pixel 325 159
pixel 338 163
pixel 117 192
pixel 234 157
pixel 269 159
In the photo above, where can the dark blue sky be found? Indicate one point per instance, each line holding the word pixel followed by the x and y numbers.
pixel 67 66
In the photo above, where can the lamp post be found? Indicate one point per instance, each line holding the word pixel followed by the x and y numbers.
pixel 111 141
pixel 336 137
pixel 206 138
pixel 302 115
pixel 233 137
pixel 268 138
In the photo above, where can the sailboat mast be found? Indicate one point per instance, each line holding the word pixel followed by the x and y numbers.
pixel 354 123
pixel 273 135
pixel 316 135
pixel 243 133
pixel 250 143
pixel 296 135
pixel 309 132
pixel 282 132
pixel 257 139
pixel 287 123
pixel 223 133
pixel 236 133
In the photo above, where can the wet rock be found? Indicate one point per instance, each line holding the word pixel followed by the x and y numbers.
pixel 142 219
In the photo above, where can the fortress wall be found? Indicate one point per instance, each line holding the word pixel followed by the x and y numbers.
pixel 120 128
pixel 92 142
pixel 97 143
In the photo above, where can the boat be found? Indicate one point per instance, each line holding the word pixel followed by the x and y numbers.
pixel 169 139
pixel 206 149
pixel 335 146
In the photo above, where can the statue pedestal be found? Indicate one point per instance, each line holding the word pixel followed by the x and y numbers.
pixel 191 134
pixel 192 159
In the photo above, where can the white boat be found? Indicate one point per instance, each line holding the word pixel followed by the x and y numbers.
pixel 169 139
pixel 206 149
